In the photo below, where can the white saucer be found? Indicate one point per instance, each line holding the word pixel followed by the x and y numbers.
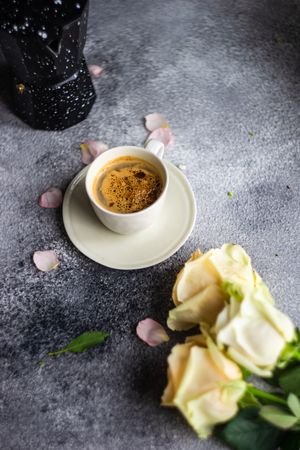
pixel 135 251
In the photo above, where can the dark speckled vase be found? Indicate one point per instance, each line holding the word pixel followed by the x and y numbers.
pixel 43 43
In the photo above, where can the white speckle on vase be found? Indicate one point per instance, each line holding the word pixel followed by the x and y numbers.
pixel 43 34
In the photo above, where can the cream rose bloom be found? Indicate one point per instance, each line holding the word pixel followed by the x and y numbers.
pixel 253 332
pixel 205 283
pixel 203 384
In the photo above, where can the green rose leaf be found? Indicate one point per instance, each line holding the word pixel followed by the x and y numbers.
pixel 278 417
pixel 289 380
pixel 294 405
pixel 291 441
pixel 83 342
pixel 247 431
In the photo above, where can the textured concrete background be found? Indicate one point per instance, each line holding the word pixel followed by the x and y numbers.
pixel 218 69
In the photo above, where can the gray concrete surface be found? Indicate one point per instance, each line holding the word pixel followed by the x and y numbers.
pixel 218 69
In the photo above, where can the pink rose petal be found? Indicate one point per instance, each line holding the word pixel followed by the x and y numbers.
pixel 155 120
pixel 51 198
pixel 46 260
pixel 164 135
pixel 91 149
pixel 95 71
pixel 151 332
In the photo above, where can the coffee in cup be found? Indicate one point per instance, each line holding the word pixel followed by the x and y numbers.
pixel 140 203
pixel 127 184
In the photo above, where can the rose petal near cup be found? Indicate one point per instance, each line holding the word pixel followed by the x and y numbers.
pixel 151 332
pixel 164 135
pixel 91 149
pixel 45 260
pixel 95 71
pixel 52 198
pixel 155 120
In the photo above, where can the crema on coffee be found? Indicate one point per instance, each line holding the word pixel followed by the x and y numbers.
pixel 127 185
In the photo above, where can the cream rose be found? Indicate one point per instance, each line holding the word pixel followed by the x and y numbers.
pixel 253 332
pixel 204 385
pixel 205 283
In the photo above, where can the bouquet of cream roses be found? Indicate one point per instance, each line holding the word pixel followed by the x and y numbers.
pixel 242 333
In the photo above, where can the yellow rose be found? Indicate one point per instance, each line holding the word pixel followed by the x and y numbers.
pixel 203 286
pixel 203 384
pixel 253 331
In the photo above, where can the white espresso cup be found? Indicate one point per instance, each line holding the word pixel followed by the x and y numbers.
pixel 129 222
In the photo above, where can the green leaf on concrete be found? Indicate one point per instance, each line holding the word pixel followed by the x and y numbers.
pixel 83 342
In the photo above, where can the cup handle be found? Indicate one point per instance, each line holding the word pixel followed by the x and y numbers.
pixel 156 147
